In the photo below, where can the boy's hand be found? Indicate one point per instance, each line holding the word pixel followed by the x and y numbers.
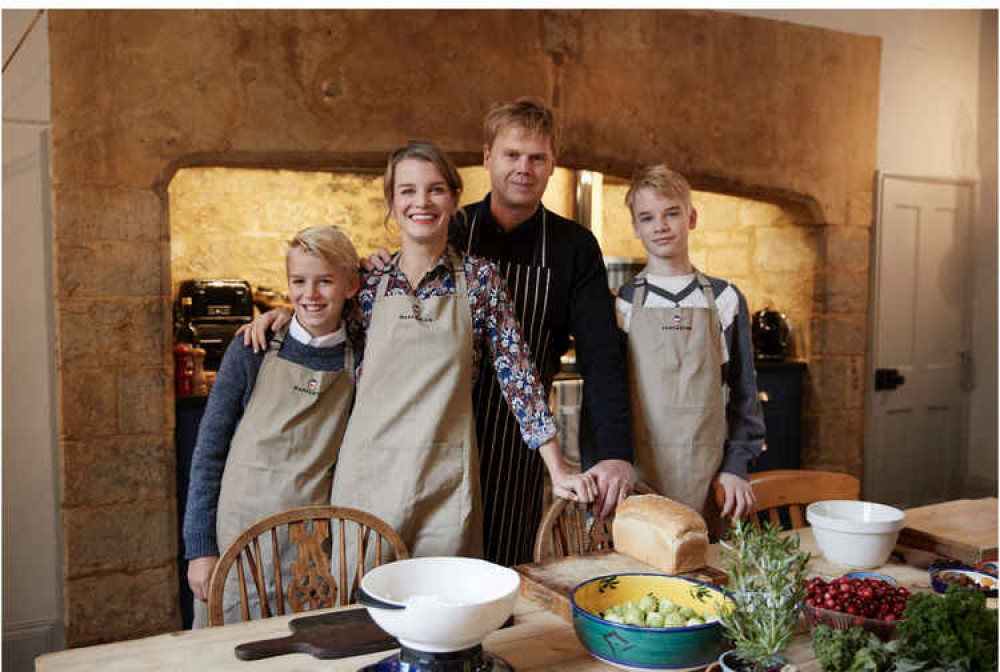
pixel 740 499
pixel 377 261
pixel 255 333
pixel 615 480
pixel 199 574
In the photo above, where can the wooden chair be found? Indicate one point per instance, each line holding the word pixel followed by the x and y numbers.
pixel 563 530
pixel 794 489
pixel 311 585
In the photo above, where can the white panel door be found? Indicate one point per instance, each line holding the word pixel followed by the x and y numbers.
pixel 918 372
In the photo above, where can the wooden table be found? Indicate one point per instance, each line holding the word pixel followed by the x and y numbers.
pixel 538 641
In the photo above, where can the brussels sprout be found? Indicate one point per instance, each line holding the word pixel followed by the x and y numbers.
pixel 695 621
pixel 613 609
pixel 687 612
pixel 614 618
pixel 634 617
pixel 673 620
pixel 654 619
pixel 710 616
pixel 646 603
pixel 666 606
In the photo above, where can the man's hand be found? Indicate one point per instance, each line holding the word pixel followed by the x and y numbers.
pixel 378 261
pixel 739 495
pixel 199 574
pixel 255 333
pixel 615 479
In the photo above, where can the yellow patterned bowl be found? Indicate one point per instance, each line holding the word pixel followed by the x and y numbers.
pixel 647 648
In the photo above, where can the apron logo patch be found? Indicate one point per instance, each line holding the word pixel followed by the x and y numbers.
pixel 416 315
pixel 676 323
pixel 312 387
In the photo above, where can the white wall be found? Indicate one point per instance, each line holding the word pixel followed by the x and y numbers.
pixel 938 118
pixel 32 574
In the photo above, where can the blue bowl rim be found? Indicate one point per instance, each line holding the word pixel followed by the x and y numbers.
pixel 641 628
pixel 940 586
pixel 861 574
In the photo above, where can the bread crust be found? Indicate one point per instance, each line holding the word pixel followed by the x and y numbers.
pixel 662 533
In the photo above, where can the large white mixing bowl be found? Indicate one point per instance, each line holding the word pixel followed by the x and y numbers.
pixel 450 604
pixel 855 534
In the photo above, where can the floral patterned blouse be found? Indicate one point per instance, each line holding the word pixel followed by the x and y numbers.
pixel 494 325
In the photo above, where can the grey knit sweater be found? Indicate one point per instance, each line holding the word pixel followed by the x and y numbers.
pixel 226 404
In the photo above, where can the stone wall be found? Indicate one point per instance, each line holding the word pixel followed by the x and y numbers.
pixel 741 105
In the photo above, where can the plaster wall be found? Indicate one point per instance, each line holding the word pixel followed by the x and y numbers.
pixel 780 112
pixel 32 578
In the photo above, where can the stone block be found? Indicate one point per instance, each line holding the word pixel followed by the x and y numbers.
pixel 835 384
pixel 98 472
pixel 87 213
pixel 114 332
pixel 727 262
pixel 88 401
pixel 843 291
pixel 119 605
pixel 120 537
pixel 108 268
pixel 835 442
pixel 787 249
pixel 848 248
pixel 839 335
pixel 143 398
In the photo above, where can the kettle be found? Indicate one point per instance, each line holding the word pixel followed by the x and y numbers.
pixel 771 333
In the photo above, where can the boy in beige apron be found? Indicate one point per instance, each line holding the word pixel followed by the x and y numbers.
pixel 291 412
pixel 696 416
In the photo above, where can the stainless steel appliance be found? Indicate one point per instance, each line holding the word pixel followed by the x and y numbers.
pixel 218 309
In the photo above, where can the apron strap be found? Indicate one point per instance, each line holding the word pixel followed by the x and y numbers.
pixel 639 296
pixel 458 272
pixel 545 233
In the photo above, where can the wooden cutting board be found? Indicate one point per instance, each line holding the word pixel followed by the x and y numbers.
pixel 964 529
pixel 337 634
pixel 550 583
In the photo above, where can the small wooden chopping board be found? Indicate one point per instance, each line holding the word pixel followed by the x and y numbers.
pixel 337 634
pixel 964 529
pixel 549 583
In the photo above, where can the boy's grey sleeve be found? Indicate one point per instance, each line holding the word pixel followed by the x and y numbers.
pixel 218 424
pixel 745 431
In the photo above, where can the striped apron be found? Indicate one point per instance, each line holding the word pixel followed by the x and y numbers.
pixel 512 476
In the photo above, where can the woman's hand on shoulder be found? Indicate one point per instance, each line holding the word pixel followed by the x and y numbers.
pixel 255 333
pixel 377 261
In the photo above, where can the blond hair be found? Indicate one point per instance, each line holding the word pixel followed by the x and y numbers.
pixel 660 179
pixel 329 243
pixel 528 113
pixel 420 151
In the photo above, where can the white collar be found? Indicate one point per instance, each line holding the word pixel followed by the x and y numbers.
pixel 299 333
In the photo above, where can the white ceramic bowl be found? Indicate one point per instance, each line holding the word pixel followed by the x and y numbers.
pixel 451 603
pixel 854 534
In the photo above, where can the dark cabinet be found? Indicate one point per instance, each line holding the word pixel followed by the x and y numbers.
pixel 779 384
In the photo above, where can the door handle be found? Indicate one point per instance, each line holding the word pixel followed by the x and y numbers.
pixel 888 379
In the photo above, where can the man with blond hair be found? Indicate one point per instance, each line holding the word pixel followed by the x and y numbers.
pixel 557 281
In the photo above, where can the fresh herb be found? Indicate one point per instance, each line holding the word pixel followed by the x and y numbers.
pixel 954 633
pixel 851 650
pixel 957 631
pixel 607 583
pixel 766 572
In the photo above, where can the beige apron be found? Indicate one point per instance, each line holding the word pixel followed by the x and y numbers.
pixel 675 370
pixel 281 457
pixel 409 455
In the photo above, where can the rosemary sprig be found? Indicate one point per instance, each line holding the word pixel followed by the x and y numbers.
pixel 766 572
